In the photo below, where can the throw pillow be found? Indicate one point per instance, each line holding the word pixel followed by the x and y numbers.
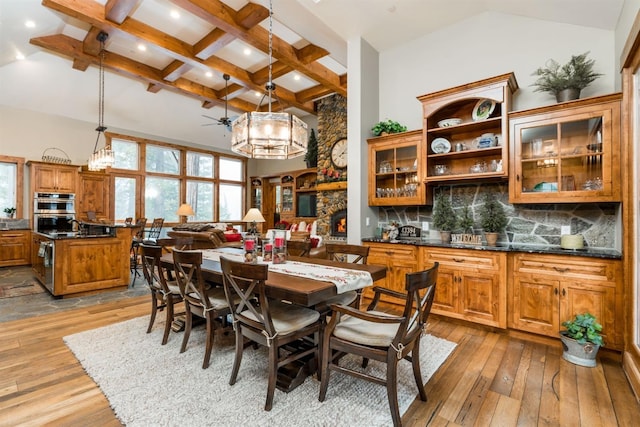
pixel 233 237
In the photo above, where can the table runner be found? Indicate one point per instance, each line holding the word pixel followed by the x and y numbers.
pixel 345 279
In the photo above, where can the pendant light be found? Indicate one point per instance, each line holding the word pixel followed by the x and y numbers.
pixel 269 135
pixel 104 157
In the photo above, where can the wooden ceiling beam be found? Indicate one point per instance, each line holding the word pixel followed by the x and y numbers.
pixel 211 43
pixel 175 70
pixel 310 53
pixel 93 13
pixel 312 93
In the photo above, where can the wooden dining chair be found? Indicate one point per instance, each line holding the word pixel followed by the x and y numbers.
pixel 200 299
pixel 290 332
pixel 134 253
pixel 165 293
pixel 343 252
pixel 381 336
pixel 298 248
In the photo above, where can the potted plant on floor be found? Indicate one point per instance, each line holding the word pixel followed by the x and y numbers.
pixel 493 218
pixel 10 212
pixel 581 340
pixel 386 127
pixel 566 81
pixel 444 217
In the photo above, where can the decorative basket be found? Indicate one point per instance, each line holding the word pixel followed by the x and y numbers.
pixel 46 157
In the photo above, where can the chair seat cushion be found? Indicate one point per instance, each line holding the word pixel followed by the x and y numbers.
pixel 216 298
pixel 345 298
pixel 173 287
pixel 288 318
pixel 367 333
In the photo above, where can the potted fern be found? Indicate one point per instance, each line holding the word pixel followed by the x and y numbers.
pixel 10 212
pixel 386 127
pixel 444 217
pixel 566 81
pixel 581 340
pixel 493 218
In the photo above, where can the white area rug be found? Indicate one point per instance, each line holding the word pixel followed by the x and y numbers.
pixel 149 384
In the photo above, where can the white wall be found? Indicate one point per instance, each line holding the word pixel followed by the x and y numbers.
pixel 483 46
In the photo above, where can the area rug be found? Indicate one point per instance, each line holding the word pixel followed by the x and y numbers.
pixel 17 282
pixel 150 384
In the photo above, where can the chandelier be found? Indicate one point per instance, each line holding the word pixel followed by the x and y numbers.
pixel 104 157
pixel 269 135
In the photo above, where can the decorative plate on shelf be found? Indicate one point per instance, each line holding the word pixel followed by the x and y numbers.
pixel 440 146
pixel 483 109
pixel 449 122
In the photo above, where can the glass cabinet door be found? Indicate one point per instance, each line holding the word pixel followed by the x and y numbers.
pixel 396 172
pixel 567 155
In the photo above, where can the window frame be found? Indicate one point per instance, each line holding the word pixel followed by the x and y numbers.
pixel 19 162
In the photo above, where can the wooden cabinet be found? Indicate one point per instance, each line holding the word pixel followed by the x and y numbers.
pixel 15 247
pixel 549 289
pixel 305 203
pixel 48 177
pixel 472 284
pixel 93 195
pixel 466 130
pixel 567 152
pixel 396 169
pixel 286 197
pixel 256 193
pixel 398 259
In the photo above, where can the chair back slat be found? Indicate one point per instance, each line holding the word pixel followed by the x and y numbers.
pixel 155 275
pixel 341 251
pixel 156 228
pixel 188 270
pixel 244 286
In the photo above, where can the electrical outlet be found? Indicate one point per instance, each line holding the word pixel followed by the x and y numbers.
pixel 565 229
pixel 425 226
pixel 366 221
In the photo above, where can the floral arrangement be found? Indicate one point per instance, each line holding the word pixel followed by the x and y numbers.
pixel 330 175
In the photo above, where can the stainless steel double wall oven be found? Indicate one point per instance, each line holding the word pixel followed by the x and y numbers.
pixel 54 212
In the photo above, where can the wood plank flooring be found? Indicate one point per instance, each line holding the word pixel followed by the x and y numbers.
pixel 490 379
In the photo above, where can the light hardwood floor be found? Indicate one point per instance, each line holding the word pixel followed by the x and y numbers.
pixel 490 379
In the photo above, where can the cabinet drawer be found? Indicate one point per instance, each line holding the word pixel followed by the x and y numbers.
pixel 461 259
pixel 398 252
pixel 569 267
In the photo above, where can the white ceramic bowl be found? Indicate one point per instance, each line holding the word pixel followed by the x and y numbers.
pixel 449 122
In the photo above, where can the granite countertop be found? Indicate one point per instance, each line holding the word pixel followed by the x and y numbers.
pixel 533 249
pixel 73 235
pixel 14 224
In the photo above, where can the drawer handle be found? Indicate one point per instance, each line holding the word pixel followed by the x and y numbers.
pixel 561 270
pixel 555 291
pixel 564 292
pixel 458 260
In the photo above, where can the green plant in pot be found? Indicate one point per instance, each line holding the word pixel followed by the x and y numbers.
pixel 465 222
pixel 386 127
pixel 444 217
pixel 10 212
pixel 581 340
pixel 566 81
pixel 493 218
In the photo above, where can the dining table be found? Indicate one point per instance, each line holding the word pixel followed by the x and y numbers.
pixel 306 291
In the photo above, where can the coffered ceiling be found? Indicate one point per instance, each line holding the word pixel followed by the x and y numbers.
pixel 184 47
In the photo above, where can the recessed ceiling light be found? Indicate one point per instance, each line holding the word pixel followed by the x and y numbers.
pixel 142 47
pixel 30 24
pixel 208 74
pixel 175 14
pixel 296 77
pixel 257 94
pixel 247 51
pixel 19 56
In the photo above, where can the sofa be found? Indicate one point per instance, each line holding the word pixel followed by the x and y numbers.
pixel 208 236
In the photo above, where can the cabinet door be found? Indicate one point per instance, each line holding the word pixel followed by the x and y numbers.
pixel 480 298
pixel 15 248
pixel 66 180
pixel 54 178
pixel 535 304
pixel 93 195
pixel 580 297
pixel 45 178
pixel 446 297
pixel 398 260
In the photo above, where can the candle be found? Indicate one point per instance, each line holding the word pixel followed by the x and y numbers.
pixel 249 244
pixel 279 242
pixel 268 247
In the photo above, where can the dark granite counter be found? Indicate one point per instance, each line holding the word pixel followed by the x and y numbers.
pixel 533 249
pixel 74 235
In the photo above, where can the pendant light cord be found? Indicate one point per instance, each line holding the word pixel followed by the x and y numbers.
pixel 270 85
pixel 102 36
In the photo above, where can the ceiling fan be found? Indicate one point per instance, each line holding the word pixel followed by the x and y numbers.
pixel 226 120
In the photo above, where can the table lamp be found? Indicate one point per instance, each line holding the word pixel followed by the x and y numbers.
pixel 184 211
pixel 253 216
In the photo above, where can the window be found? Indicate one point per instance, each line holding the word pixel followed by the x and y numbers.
pixel 200 197
pixel 125 200
pixel 230 202
pixel 199 165
pixel 125 153
pixel 11 175
pixel 214 185
pixel 162 160
pixel 161 198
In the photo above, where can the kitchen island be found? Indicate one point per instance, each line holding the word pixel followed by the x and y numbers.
pixel 69 264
